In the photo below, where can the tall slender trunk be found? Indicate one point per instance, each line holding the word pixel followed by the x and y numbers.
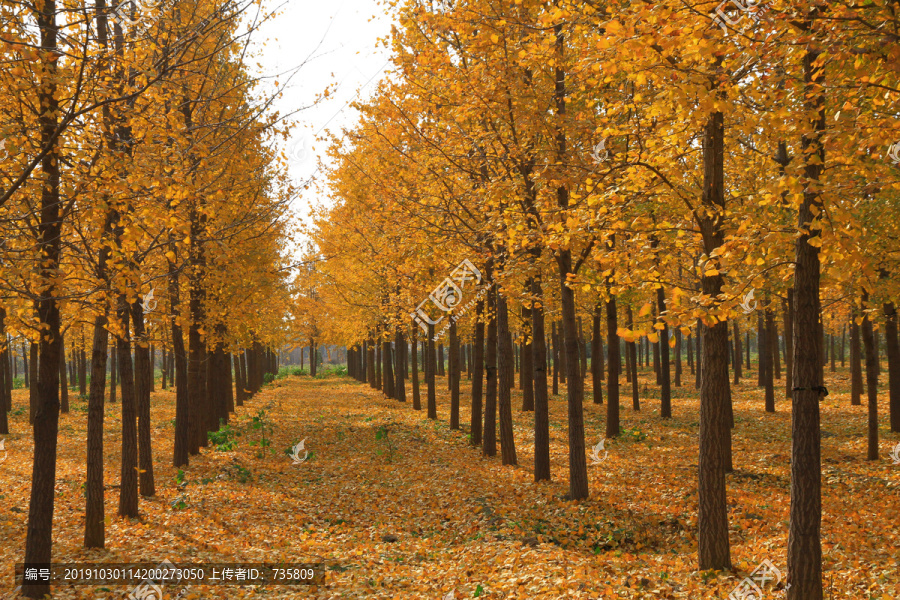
pixel 489 436
pixel 142 375
pixel 631 363
pixel 128 491
pixel 526 368
pixel 541 404
pixel 868 336
pixel 893 359
pixel 804 558
pixel 554 340
pixel 417 397
pixel 454 375
pixel 400 375
pixel 63 388
pixel 698 340
pixel 712 362
pixel 430 374
pixel 738 353
pixel 596 353
pixel 477 377
pixel 787 305
pixel 504 400
pixel 679 342
pixel 614 362
pixel 665 372
pixel 387 357
pixel 5 382
pixel 39 536
pixel 766 350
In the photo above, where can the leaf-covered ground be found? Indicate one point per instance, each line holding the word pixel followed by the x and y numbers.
pixel 420 514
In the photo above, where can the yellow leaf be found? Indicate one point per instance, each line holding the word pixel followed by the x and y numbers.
pixel 645 310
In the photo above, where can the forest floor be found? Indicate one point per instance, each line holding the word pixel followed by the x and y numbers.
pixel 420 514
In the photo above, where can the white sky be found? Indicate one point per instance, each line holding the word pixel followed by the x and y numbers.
pixel 338 39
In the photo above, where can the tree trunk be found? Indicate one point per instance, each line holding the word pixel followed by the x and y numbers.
pixel 63 387
pixel 631 364
pixel 762 349
pixel 541 404
pixel 893 359
pixel 738 353
pixel 504 400
pixel 417 397
pixel 712 366
pixel 804 558
pixel 554 340
pixel 453 368
pixel 128 492
pixel 665 372
pixel 578 483
pixel 868 336
pixel 679 342
pixel 430 374
pixel 855 362
pixel 596 353
pixel 388 359
pixel 94 524
pixel 787 305
pixel 526 367
pixel 142 376
pixel 766 347
pixel 400 375
pixel 477 377
pixel 613 364
pixel 489 439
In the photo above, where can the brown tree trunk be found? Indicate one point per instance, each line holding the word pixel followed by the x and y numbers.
pixel 430 374
pixel 787 307
pixel 477 377
pixel 855 362
pixel 679 342
pixel 868 336
pixel 489 437
pixel 613 363
pixel 766 350
pixel 665 371
pixel 738 353
pixel 596 353
pixel 712 366
pixel 541 404
pixel 63 387
pixel 804 558
pixel 388 359
pixel 453 373
pixel 400 375
pixel 417 397
pixel 631 364
pixel 893 359
pixel 142 377
pixel 526 369
pixel 94 525
pixel 128 491
pixel 554 340
pixel 504 400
